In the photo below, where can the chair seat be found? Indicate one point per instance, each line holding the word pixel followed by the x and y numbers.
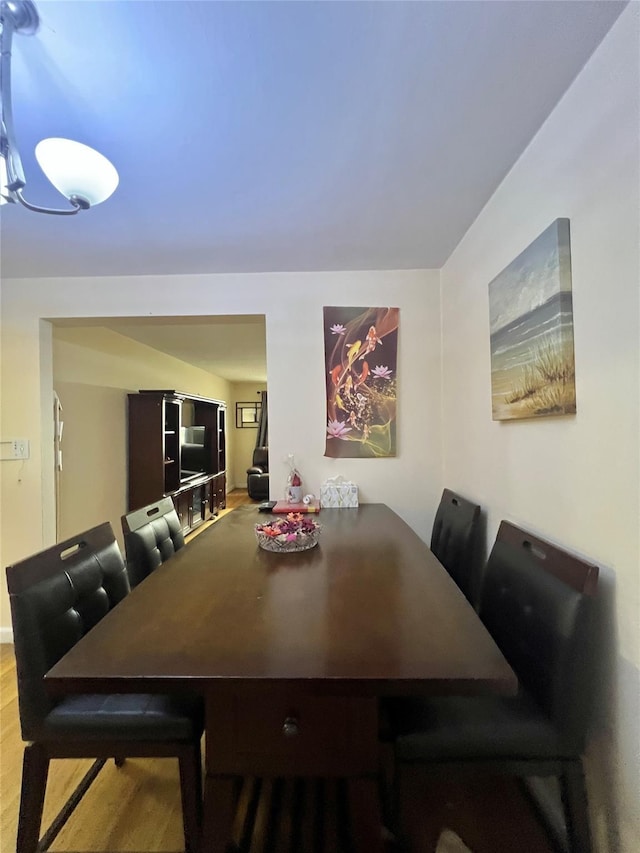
pixel 471 727
pixel 137 717
pixel 258 486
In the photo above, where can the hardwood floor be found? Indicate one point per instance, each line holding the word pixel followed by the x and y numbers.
pixel 238 497
pixel 137 807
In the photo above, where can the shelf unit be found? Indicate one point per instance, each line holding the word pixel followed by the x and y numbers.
pixel 171 445
pixel 162 460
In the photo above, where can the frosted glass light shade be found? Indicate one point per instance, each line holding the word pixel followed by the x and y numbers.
pixel 77 170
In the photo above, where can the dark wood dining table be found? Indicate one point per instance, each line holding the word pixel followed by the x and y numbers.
pixel 292 651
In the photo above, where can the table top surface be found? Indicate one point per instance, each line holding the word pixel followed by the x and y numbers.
pixel 369 610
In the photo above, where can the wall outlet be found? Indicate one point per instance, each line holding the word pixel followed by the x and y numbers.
pixel 19 448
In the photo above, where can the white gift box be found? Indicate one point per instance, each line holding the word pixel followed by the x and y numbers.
pixel 336 492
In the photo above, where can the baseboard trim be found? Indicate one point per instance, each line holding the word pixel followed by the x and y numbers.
pixel 6 635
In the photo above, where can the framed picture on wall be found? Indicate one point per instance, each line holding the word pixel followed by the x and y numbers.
pixel 531 315
pixel 361 368
pixel 248 415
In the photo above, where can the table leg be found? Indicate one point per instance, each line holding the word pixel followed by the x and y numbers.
pixel 217 822
pixel 366 817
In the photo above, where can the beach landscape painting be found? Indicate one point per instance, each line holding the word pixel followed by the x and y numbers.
pixel 531 316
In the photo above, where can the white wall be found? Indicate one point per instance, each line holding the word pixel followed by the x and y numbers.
pixel 292 304
pixel 573 479
pixel 93 371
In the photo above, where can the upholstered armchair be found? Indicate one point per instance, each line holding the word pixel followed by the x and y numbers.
pixel 258 475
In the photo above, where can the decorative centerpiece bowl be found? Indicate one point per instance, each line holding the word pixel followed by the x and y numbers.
pixel 295 532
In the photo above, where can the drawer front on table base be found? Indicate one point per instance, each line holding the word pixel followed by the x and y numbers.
pixel 291 736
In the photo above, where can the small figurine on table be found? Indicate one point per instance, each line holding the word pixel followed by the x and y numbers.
pixel 294 484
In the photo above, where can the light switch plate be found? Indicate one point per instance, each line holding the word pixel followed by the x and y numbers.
pixel 15 448
pixel 20 447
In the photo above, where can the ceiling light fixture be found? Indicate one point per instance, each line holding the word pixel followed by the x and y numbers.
pixel 80 173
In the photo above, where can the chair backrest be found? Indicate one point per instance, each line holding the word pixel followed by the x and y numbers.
pixel 453 538
pixel 152 534
pixel 261 458
pixel 56 596
pixel 537 603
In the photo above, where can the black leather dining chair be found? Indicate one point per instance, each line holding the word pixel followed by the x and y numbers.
pixel 537 602
pixel 57 596
pixel 453 540
pixel 152 534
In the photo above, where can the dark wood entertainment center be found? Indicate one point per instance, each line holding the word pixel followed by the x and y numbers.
pixel 177 448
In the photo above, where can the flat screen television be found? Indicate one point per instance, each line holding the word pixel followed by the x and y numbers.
pixel 193 456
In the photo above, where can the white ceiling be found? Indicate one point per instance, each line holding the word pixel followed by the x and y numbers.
pixel 232 347
pixel 273 136
pixel 253 136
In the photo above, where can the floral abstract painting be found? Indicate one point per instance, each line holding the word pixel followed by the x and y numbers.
pixel 531 314
pixel 360 346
